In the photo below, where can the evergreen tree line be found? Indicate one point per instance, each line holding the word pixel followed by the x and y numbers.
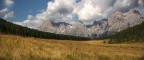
pixel 132 34
pixel 10 28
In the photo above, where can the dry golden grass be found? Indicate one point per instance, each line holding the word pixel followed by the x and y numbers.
pixel 25 48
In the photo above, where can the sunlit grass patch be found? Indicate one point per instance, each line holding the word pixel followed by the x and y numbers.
pixel 27 48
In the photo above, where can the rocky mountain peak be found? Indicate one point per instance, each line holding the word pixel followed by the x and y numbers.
pixel 125 20
pixel 116 17
pixel 79 23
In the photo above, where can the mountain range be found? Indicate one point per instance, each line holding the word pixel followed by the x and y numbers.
pixel 117 22
pixel 13 29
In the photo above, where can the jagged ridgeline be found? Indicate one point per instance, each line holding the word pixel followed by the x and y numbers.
pixel 10 28
pixel 132 34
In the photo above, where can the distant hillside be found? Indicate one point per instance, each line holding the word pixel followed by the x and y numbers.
pixel 10 28
pixel 132 34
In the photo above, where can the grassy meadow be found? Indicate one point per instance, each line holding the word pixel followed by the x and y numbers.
pixel 14 47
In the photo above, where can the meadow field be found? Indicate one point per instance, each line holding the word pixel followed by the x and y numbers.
pixel 14 47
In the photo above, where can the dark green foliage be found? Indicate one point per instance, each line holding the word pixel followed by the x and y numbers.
pixel 132 34
pixel 10 28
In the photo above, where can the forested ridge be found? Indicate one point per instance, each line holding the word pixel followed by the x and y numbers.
pixel 131 34
pixel 10 28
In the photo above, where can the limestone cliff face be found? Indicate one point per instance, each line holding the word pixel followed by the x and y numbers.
pixel 120 21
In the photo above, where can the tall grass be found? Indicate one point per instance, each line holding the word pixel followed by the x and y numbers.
pixel 28 48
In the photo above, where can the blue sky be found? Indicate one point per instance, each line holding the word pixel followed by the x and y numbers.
pixel 23 8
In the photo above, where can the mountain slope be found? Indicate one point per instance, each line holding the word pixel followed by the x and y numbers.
pixel 10 28
pixel 132 34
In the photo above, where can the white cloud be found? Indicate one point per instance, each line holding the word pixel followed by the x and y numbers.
pixel 125 5
pixel 84 10
pixel 87 12
pixel 141 2
pixel 6 13
pixel 9 2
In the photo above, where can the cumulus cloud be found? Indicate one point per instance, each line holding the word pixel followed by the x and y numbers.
pixel 83 10
pixel 141 2
pixel 5 12
pixel 125 5
pixel 31 22
pixel 9 2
